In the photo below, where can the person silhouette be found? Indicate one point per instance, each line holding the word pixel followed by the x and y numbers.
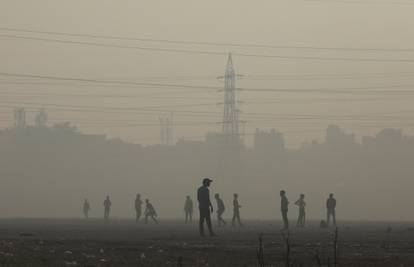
pixel 236 211
pixel 220 210
pixel 107 204
pixel 86 208
pixel 205 206
pixel 150 212
pixel 188 209
pixel 330 207
pixel 284 204
pixel 138 207
pixel 301 204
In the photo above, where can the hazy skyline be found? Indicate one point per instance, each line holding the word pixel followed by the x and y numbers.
pixel 360 100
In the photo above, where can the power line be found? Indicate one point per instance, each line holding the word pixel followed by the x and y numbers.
pixel 362 2
pixel 295 116
pixel 202 52
pixel 219 44
pixel 370 89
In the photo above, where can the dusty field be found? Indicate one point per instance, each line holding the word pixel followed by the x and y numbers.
pixel 44 242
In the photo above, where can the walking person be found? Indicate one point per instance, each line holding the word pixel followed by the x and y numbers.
pixel 236 211
pixel 188 209
pixel 301 204
pixel 138 207
pixel 331 206
pixel 284 206
pixel 205 206
pixel 86 208
pixel 107 205
pixel 150 212
pixel 220 210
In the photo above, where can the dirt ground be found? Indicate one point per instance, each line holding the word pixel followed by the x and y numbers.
pixel 52 242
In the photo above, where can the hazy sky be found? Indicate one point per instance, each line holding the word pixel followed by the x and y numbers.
pixel 354 83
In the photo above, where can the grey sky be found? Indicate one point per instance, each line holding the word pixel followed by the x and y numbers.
pixel 362 24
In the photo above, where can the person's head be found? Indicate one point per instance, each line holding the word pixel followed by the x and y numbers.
pixel 331 195
pixel 188 197
pixel 217 196
pixel 146 200
pixel 302 196
pixel 235 195
pixel 207 182
pixel 138 196
pixel 282 193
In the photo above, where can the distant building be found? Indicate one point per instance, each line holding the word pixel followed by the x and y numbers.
pixel 268 140
pixel 337 136
pixel 389 136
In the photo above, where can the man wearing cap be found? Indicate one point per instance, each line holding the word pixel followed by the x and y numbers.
pixel 205 206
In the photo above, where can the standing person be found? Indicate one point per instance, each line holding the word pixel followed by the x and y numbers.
pixel 188 209
pixel 301 204
pixel 205 206
pixel 150 212
pixel 86 208
pixel 107 204
pixel 138 207
pixel 330 206
pixel 236 211
pixel 220 210
pixel 284 204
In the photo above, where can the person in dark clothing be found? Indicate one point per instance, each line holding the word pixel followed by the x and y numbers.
pixel 150 212
pixel 330 206
pixel 220 210
pixel 205 206
pixel 138 207
pixel 301 204
pixel 107 204
pixel 284 203
pixel 236 211
pixel 188 209
pixel 86 208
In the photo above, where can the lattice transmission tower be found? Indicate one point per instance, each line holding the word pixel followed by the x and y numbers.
pixel 231 113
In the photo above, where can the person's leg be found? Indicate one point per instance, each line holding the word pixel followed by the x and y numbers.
pixel 328 216
pixel 146 218
pixel 186 217
pixel 238 219
pixel 334 217
pixel 191 216
pixel 285 219
pixel 208 221
pixel 201 222
pixel 154 219
pixel 304 219
pixel 233 219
